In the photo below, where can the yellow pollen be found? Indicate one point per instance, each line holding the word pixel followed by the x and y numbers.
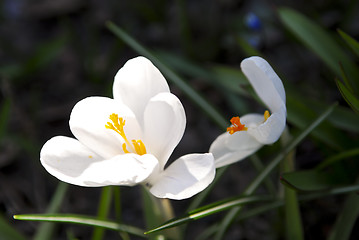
pixel 266 115
pixel 236 126
pixel 117 125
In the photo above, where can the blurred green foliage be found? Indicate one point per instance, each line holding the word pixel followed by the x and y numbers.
pixel 53 55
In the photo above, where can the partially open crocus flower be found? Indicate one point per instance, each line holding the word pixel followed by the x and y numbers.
pixel 251 131
pixel 127 140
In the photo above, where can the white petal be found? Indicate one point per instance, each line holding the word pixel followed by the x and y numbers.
pixel 228 149
pixel 70 161
pixel 185 177
pixel 165 122
pixel 66 159
pixel 127 169
pixel 270 131
pixel 88 119
pixel 265 82
pixel 252 119
pixel 136 82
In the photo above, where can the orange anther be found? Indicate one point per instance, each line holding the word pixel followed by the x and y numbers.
pixel 236 126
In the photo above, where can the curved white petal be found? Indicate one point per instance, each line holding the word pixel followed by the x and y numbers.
pixel 265 82
pixel 251 120
pixel 70 161
pixel 88 119
pixel 164 125
pixel 126 169
pixel 66 159
pixel 136 82
pixel 270 131
pixel 228 149
pixel 185 177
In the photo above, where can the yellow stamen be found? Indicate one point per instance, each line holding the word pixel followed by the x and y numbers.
pixel 117 125
pixel 266 115
pixel 124 148
pixel 139 147
pixel 236 126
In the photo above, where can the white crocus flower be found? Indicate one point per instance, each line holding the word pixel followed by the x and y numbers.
pixel 127 140
pixel 251 131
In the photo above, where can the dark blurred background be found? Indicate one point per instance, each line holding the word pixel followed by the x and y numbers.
pixel 55 53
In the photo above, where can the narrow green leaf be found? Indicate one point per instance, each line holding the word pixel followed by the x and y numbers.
pixel 199 198
pixel 229 80
pixel 264 207
pixel 104 207
pixel 303 197
pixel 346 219
pixel 300 115
pixel 343 117
pixel 83 220
pixel 293 222
pixel 46 229
pixel 118 209
pixel 117 202
pixel 7 232
pixel 259 166
pixel 209 210
pixel 352 43
pixel 286 150
pixel 319 41
pixel 228 219
pixel 313 180
pixel 158 211
pixel 232 79
pixel 345 79
pixel 340 156
pixel 151 211
pixel 349 97
pixel 172 76
pixel 184 66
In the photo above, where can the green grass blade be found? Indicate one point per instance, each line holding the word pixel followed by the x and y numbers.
pixel 293 222
pixel 313 180
pixel 349 97
pixel 340 156
pixel 172 76
pixel 83 220
pixel 264 207
pixel 300 116
pixel 228 219
pixel 209 210
pixel 104 207
pixel 46 229
pixel 259 166
pixel 320 42
pixel 158 211
pixel 342 117
pixel 304 197
pixel 346 219
pixel 198 199
pixel 294 228
pixel 352 43
pixel 118 209
pixel 151 211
